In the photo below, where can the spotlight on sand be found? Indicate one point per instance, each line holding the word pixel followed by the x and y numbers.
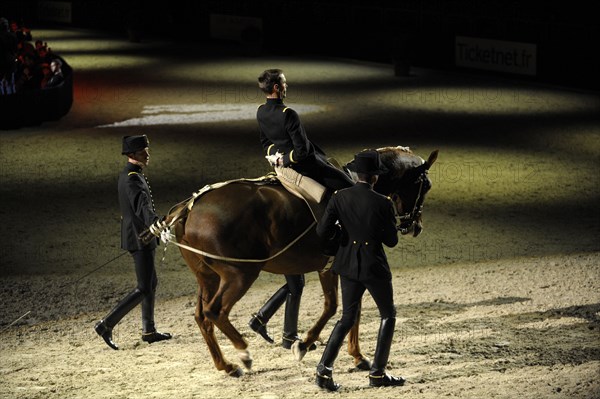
pixel 185 114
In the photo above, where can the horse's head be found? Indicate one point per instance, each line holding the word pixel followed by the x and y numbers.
pixel 406 183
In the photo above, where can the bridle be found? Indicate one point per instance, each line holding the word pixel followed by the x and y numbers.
pixel 406 222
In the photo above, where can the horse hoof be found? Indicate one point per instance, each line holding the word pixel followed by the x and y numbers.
pixel 298 350
pixel 363 364
pixel 247 364
pixel 236 372
pixel 245 357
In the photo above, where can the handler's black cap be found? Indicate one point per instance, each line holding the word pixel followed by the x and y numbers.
pixel 134 143
pixel 367 162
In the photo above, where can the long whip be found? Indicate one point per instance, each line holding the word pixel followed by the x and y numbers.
pixel 66 285
pixel 93 271
pixel 14 322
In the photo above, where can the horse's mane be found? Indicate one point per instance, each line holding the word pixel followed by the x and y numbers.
pixel 398 160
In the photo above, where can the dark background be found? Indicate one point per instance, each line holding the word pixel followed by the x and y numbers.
pixel 418 32
pixel 499 297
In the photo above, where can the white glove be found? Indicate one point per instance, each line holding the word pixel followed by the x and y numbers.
pixel 275 159
pixel 161 230
pixel 165 236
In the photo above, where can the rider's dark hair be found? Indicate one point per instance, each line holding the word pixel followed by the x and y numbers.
pixel 268 79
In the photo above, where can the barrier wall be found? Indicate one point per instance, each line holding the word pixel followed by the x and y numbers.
pixel 32 107
pixel 418 32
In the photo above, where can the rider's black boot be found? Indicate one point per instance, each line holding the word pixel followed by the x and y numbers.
pixel 290 323
pixel 258 322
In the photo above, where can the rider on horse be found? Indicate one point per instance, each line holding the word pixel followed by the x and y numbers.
pixel 284 139
pixel 283 136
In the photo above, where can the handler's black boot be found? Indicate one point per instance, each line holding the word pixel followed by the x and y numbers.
pixel 155 336
pixel 258 322
pixel 325 367
pixel 150 335
pixel 325 378
pixel 106 333
pixel 290 323
pixel 104 327
pixel 378 377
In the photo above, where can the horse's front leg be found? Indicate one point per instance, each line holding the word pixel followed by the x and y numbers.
pixel 208 332
pixel 207 328
pixel 361 362
pixel 234 283
pixel 329 284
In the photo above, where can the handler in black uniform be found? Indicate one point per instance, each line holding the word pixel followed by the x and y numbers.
pixel 367 221
pixel 138 213
pixel 282 132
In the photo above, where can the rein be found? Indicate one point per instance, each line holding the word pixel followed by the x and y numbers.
pixel 406 222
pixel 411 217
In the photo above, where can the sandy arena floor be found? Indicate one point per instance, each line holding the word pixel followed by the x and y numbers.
pixel 498 298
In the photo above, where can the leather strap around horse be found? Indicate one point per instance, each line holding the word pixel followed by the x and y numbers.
pixel 230 259
pixel 190 203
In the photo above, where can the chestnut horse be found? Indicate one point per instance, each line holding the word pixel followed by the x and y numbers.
pixel 245 220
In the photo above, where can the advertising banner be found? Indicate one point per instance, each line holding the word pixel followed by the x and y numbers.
pixel 496 55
